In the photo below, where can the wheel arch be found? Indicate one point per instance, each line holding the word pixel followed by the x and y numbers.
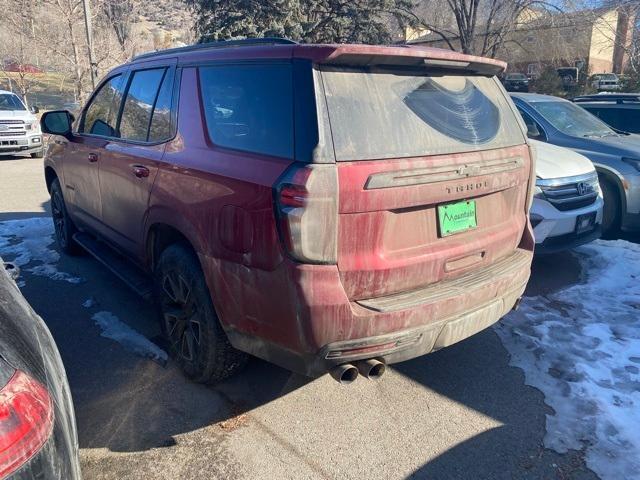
pixel 50 175
pixel 161 235
pixel 611 177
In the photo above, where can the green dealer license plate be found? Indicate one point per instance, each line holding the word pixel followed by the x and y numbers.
pixel 457 217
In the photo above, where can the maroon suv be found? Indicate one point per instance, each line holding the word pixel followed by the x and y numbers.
pixel 323 207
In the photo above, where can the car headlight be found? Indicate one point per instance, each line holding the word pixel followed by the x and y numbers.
pixel 537 192
pixel 635 163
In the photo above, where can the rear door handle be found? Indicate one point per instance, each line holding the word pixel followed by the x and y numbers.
pixel 140 171
pixel 93 157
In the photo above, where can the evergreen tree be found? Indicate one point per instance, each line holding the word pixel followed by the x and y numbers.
pixel 313 21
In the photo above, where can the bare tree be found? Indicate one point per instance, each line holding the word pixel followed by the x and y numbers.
pixel 621 27
pixel 119 16
pixel 17 73
pixel 478 27
pixel 16 50
pixel 66 40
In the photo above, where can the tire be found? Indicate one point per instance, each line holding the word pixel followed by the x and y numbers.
pixel 611 211
pixel 39 154
pixel 189 322
pixel 62 223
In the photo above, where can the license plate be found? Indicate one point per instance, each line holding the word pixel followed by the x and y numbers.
pixel 585 222
pixel 457 217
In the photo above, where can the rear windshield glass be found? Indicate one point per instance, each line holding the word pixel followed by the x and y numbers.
pixel 383 114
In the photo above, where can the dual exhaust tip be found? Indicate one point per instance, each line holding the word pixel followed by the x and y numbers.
pixel 347 373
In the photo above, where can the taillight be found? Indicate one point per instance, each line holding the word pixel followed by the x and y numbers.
pixel 306 198
pixel 26 421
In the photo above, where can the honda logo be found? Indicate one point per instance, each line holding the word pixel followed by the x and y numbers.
pixel 583 188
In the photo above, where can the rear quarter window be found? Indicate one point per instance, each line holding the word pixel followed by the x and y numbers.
pixel 391 114
pixel 249 107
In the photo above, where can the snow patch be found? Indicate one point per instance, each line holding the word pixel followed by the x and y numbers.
pixel 581 348
pixel 126 336
pixel 27 241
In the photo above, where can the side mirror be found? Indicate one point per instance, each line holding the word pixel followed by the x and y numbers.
pixel 34 109
pixel 57 122
pixel 532 131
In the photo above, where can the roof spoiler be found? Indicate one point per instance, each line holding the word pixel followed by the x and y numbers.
pixel 412 56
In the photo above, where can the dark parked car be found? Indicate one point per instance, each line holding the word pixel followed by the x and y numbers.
pixel 615 155
pixel 37 424
pixel 619 110
pixel 324 207
pixel 516 82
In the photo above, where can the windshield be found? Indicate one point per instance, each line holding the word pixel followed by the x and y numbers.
pixel 9 101
pixel 516 76
pixel 572 120
pixel 377 114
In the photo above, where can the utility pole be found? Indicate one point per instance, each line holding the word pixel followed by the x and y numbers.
pixel 87 24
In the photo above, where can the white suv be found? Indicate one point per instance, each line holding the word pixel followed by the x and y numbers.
pixel 567 204
pixel 19 127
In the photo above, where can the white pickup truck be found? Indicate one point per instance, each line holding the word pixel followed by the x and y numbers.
pixel 567 204
pixel 19 127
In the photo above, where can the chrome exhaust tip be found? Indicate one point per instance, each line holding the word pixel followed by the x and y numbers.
pixel 372 369
pixel 345 373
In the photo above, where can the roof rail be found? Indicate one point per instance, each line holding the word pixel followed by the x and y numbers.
pixel 609 97
pixel 218 44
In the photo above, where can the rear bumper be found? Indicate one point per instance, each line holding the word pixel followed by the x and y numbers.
pixel 317 327
pixel 408 344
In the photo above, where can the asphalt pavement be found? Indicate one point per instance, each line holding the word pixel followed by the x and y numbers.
pixel 459 413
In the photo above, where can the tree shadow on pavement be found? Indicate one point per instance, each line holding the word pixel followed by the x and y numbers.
pixel 123 402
